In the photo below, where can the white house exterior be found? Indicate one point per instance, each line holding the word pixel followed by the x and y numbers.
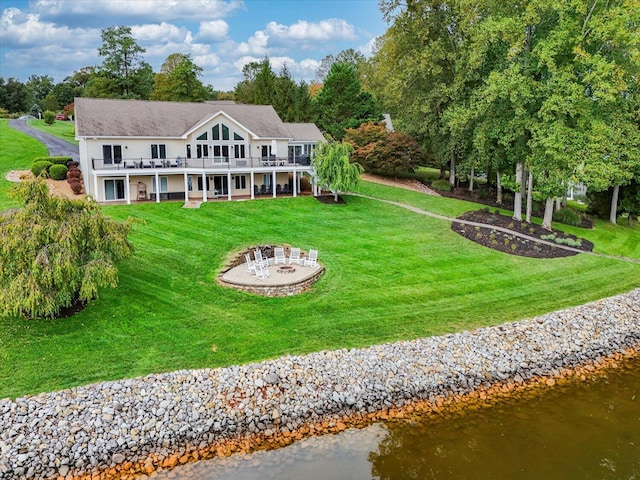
pixel 132 150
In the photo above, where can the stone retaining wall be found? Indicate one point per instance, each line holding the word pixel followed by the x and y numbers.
pixel 276 290
pixel 148 422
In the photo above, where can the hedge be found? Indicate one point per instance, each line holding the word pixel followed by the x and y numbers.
pixel 41 166
pixel 58 172
pixel 59 160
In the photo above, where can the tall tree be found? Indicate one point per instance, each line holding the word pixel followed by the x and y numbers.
pixel 123 73
pixel 333 169
pixel 350 56
pixel 13 95
pixel 341 103
pixel 178 80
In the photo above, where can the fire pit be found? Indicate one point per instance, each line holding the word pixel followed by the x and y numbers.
pixel 286 269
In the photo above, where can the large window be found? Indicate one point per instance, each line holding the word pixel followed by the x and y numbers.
pixel 202 150
pixel 221 153
pixel 112 154
pixel 241 182
pixel 239 151
pixel 164 185
pixel 225 132
pixel 158 150
pixel 114 190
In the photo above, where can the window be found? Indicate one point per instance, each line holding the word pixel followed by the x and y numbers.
pixel 158 150
pixel 225 132
pixel 190 183
pixel 112 154
pixel 202 150
pixel 200 182
pixel 203 136
pixel 239 151
pixel 237 137
pixel 164 185
pixel 221 151
pixel 114 189
pixel 220 184
pixel 216 132
pixel 241 182
pixel 188 151
pixel 266 179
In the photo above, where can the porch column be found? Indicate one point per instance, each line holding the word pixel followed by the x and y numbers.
pixel 204 187
pixel 95 187
pixel 294 182
pixel 157 188
pixel 252 182
pixel 228 184
pixel 186 187
pixel 127 191
pixel 273 183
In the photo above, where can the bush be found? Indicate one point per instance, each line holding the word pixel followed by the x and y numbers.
pixel 73 163
pixel 75 185
pixel 41 168
pixel 64 160
pixel 441 185
pixel 49 117
pixel 58 172
pixel 567 216
pixel 73 173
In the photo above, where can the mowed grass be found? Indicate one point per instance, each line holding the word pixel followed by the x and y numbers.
pixel 63 129
pixel 391 274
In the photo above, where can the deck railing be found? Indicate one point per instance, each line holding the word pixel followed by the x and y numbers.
pixel 221 163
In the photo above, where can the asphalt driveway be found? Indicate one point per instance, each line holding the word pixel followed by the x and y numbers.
pixel 56 146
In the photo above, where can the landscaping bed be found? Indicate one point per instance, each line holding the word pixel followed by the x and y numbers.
pixel 515 245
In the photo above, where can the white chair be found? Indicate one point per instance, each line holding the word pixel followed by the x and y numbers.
pixel 294 256
pixel 279 256
pixel 263 262
pixel 262 271
pixel 312 259
pixel 251 265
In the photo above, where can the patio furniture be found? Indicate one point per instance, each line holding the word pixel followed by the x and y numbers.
pixel 129 164
pixel 251 266
pixel 294 256
pixel 262 271
pixel 278 189
pixel 263 189
pixel 312 259
pixel 279 256
pixel 142 191
pixel 286 189
pixel 257 254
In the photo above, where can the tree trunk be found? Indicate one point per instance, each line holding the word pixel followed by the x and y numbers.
pixel 335 196
pixel 517 195
pixel 529 197
pixel 471 179
pixel 558 203
pixel 452 171
pixel 498 188
pixel 548 214
pixel 613 214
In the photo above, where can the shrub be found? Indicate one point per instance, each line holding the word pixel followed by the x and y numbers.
pixel 441 185
pixel 75 185
pixel 40 168
pixel 49 117
pixel 58 172
pixel 62 160
pixel 567 216
pixel 73 173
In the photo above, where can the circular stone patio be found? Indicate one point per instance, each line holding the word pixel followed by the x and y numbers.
pixel 283 280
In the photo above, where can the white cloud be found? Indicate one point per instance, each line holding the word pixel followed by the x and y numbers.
pixel 326 30
pixel 214 31
pixel 163 32
pixel 367 48
pixel 207 61
pixel 149 10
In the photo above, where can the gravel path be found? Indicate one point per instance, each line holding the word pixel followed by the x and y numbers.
pixel 161 420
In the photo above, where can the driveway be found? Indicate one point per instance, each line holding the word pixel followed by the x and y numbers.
pixel 56 146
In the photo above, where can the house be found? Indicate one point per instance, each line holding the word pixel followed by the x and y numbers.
pixel 134 150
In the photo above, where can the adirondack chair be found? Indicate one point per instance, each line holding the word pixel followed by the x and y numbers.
pixel 312 259
pixel 294 256
pixel 262 271
pixel 263 262
pixel 251 265
pixel 279 256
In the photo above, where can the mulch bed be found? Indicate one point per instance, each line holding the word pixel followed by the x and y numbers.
pixel 330 200
pixel 511 244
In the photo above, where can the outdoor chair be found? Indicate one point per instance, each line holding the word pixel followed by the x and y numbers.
pixel 251 266
pixel 256 190
pixel 279 256
pixel 262 271
pixel 312 259
pixel 294 256
pixel 270 189
pixel 285 189
pixel 263 189
pixel 263 262
pixel 278 189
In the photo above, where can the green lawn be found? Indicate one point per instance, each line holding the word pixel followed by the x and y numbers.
pixel 63 129
pixel 390 274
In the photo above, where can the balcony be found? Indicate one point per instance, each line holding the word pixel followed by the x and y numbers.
pixel 208 163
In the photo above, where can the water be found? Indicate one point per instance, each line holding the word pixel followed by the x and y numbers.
pixel 589 430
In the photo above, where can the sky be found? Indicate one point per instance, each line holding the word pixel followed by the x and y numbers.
pixel 58 37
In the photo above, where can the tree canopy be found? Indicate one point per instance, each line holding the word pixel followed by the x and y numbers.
pixel 55 251
pixel 178 80
pixel 334 170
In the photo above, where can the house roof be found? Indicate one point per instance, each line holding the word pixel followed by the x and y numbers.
pixel 305 132
pixel 101 117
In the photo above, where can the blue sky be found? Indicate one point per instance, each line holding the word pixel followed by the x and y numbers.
pixel 58 37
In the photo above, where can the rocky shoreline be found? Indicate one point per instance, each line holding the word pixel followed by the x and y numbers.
pixel 130 428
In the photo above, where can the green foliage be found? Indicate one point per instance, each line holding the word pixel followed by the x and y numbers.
pixel 568 216
pixel 55 252
pixel 441 185
pixel 41 167
pixel 59 160
pixel 341 103
pixel 179 81
pixel 50 102
pixel 334 170
pixel 13 95
pixel 58 172
pixel 49 117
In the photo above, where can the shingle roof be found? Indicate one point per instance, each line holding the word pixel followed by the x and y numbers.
pixel 100 117
pixel 305 132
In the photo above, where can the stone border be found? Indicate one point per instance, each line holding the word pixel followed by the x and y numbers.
pixel 127 427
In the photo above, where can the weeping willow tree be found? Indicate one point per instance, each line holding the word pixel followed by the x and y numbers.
pixel 334 170
pixel 55 252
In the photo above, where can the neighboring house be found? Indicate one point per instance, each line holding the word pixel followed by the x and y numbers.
pixel 142 150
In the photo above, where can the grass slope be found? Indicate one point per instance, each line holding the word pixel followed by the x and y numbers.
pixel 390 274
pixel 62 129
